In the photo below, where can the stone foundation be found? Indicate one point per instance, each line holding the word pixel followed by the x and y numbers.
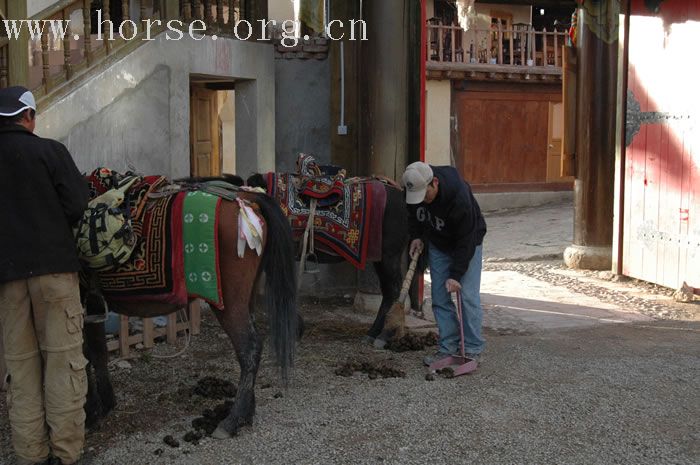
pixel 581 257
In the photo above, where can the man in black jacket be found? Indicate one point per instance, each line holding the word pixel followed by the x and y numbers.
pixel 443 210
pixel 42 194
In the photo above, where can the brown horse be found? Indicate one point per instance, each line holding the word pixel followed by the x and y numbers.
pixel 239 278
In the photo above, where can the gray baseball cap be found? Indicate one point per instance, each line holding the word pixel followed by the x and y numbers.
pixel 416 179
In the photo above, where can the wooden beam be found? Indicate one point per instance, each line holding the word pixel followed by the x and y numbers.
pixel 18 50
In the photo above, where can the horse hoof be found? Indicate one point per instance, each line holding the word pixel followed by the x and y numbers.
pixel 379 343
pixel 369 340
pixel 220 433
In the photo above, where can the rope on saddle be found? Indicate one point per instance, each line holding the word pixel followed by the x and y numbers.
pixel 308 232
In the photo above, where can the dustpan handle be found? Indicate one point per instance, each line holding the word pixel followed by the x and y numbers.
pixel 458 297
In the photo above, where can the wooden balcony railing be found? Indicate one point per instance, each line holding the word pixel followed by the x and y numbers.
pixel 54 62
pixel 514 47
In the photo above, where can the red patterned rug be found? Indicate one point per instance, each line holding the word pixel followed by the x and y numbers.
pixel 350 226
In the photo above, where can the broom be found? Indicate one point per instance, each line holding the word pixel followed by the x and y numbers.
pixel 396 318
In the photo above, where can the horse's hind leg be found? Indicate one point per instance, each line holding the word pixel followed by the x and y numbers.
pixel 237 321
pixel 100 399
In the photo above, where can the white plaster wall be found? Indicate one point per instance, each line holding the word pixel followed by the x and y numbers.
pixel 521 13
pixel 438 102
pixel 280 10
pixel 138 110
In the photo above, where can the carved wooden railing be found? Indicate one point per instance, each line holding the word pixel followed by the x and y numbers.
pixel 497 46
pixel 54 62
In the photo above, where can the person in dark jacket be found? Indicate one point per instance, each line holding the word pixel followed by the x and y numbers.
pixel 444 212
pixel 42 194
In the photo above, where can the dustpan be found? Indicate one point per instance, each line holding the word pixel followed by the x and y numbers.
pixel 460 364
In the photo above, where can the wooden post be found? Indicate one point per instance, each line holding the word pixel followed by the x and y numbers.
pixel 510 47
pixel 171 329
pixel 198 11
pixel 124 336
pixel 452 44
pixel 195 317
pixel 187 10
pixel 125 16
pixel 18 50
pixel 3 67
pixel 107 27
pixel 556 49
pixel 220 12
pixel 67 65
pixel 87 27
pixel 148 333
pixel 172 9
pixel 46 70
pixel 208 18
pixel 3 368
pixel 231 13
pixel 595 140
pixel 500 43
pixel 143 10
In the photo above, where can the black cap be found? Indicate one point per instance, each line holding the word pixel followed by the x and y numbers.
pixel 15 100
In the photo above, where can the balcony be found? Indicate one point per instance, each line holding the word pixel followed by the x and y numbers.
pixel 518 54
pixel 54 61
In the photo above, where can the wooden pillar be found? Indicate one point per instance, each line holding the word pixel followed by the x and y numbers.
pixel 385 88
pixel 595 136
pixel 3 369
pixel 18 50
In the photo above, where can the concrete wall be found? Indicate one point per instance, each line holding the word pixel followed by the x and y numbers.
pixel 303 100
pixel 438 102
pixel 138 110
pixel 35 6
pixel 280 10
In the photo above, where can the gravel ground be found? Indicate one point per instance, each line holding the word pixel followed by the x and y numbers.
pixel 615 393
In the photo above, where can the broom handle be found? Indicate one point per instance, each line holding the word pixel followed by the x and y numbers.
pixel 409 277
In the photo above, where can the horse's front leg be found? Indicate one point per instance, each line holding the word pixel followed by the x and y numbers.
pixel 389 272
pixel 237 321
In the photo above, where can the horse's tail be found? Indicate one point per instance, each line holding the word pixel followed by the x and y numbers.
pixel 280 283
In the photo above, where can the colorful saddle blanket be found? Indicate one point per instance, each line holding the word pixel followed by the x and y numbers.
pixel 176 256
pixel 349 226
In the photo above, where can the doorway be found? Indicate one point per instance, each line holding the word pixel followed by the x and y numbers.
pixel 212 128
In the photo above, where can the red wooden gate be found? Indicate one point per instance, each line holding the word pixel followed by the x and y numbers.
pixel 661 240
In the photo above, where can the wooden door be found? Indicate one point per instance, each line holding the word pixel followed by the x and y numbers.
pixel 554 143
pixel 502 136
pixel 205 150
pixel 661 228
